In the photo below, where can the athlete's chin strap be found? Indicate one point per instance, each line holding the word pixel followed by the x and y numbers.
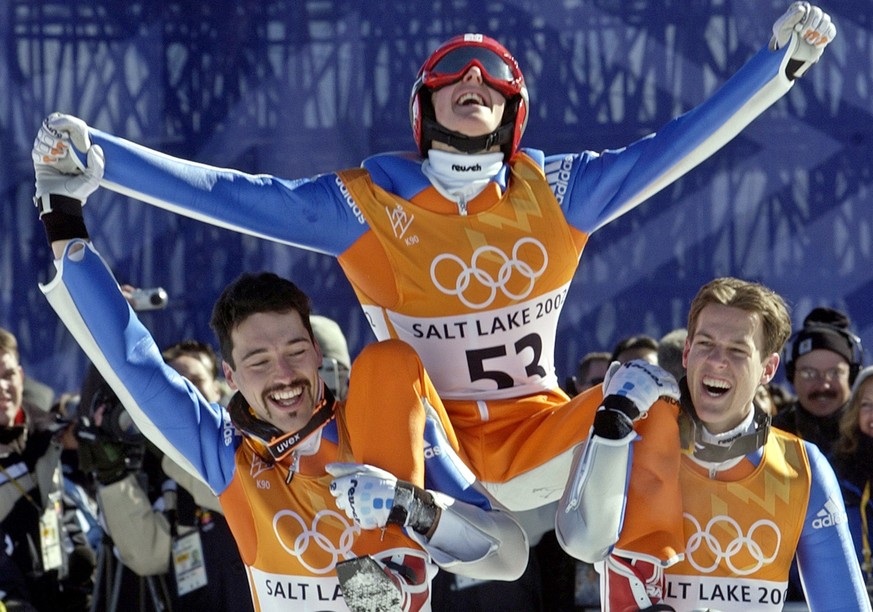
pixel 280 444
pixel 693 431
pixel 431 130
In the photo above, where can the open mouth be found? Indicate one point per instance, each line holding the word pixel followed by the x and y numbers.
pixel 471 98
pixel 715 387
pixel 285 397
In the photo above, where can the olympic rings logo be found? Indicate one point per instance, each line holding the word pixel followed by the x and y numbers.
pixel 312 536
pixel 476 272
pixel 741 544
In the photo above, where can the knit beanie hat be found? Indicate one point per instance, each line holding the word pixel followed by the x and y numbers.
pixel 825 328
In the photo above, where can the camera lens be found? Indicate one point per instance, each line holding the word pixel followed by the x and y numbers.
pixel 126 428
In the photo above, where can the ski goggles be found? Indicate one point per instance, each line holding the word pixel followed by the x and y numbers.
pixel 500 72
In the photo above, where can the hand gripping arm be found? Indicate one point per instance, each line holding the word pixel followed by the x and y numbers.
pixel 457 535
pixel 591 510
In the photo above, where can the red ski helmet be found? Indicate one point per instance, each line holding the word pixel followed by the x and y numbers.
pixel 447 65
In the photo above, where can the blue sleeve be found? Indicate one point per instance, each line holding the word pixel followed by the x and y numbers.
pixel 443 469
pixel 826 558
pixel 595 188
pixel 398 173
pixel 315 213
pixel 165 406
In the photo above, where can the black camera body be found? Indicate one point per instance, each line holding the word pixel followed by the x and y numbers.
pixel 108 438
pixel 110 419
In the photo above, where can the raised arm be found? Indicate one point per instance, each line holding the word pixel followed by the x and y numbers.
pixel 314 214
pixel 596 188
pixel 166 407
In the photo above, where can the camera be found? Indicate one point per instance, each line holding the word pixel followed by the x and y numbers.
pixel 110 444
pixel 114 421
pixel 148 299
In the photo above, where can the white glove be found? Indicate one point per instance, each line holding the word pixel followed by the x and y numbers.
pixel 374 498
pixel 57 166
pixel 814 31
pixel 641 382
pixel 365 493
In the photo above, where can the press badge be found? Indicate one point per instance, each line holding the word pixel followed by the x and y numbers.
pixel 188 563
pixel 50 537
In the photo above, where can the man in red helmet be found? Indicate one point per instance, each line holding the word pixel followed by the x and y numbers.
pixel 475 119
pixel 467 250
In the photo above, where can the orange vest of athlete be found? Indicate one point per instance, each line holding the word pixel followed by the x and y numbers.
pixel 477 296
pixel 741 536
pixel 291 535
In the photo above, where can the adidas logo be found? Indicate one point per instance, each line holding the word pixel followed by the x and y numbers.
pixel 431 451
pixel 832 514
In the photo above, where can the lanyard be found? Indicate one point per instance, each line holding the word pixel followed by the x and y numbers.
pixel 18 486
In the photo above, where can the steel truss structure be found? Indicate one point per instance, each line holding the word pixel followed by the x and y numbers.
pixel 295 88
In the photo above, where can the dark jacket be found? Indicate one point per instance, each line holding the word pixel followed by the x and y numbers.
pixel 821 431
pixel 30 483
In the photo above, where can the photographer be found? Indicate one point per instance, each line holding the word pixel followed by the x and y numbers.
pixel 161 520
pixel 34 547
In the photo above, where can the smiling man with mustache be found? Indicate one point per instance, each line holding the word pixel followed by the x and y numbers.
pixel 824 360
pixel 333 504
